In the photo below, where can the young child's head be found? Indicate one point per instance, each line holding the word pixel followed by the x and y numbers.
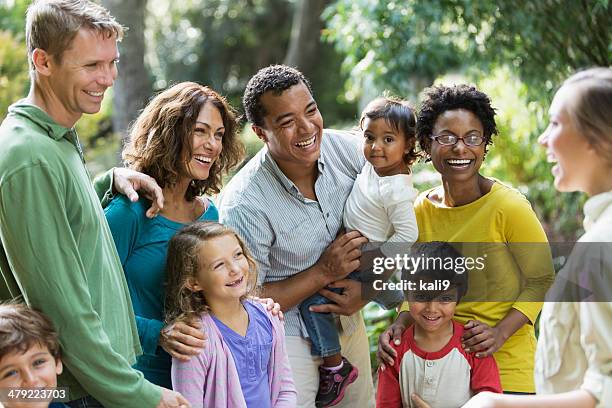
pixel 438 287
pixel 388 126
pixel 207 263
pixel 29 351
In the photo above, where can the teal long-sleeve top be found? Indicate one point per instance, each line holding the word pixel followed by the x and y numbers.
pixel 142 245
pixel 57 254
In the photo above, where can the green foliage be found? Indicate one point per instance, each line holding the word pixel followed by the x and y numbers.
pixel 14 78
pixel 218 42
pixel 398 45
pixel 222 43
pixel 377 320
pixel 12 16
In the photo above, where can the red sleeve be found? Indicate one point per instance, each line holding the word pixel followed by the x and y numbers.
pixel 485 375
pixel 388 393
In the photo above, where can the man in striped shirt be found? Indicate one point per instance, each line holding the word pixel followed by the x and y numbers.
pixel 287 204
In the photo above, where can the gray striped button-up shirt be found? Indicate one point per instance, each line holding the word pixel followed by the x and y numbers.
pixel 286 232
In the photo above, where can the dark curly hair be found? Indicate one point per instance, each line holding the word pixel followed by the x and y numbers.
pixel 439 99
pixel 161 139
pixel 275 78
pixel 399 115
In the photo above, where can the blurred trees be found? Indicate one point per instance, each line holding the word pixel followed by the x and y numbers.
pixel 305 35
pixel 14 77
pixel 393 43
pixel 132 88
pixel 222 43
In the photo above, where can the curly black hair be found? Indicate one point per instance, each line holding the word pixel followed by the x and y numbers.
pixel 275 78
pixel 439 99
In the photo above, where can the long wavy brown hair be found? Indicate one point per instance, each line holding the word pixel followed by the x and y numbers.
pixel 183 264
pixel 161 139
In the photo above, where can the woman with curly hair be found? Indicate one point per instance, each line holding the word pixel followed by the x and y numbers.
pixel 186 140
pixel 455 128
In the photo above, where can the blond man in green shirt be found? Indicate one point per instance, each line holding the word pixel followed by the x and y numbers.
pixel 56 252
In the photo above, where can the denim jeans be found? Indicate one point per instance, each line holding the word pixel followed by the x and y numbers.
pixel 322 328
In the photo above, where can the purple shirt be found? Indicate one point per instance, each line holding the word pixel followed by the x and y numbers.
pixel 211 379
pixel 251 355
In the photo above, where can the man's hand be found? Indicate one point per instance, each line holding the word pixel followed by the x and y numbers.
pixel 172 399
pixel 341 256
pixel 182 341
pixel 128 181
pixel 346 303
pixel 386 354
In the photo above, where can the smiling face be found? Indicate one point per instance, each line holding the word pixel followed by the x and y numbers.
pixel 293 127
pixel 77 84
pixel 575 158
pixel 36 368
pixel 384 147
pixel 433 315
pixel 458 162
pixel 223 273
pixel 207 142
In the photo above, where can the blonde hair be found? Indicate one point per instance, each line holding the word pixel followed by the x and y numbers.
pixel 161 139
pixel 51 25
pixel 590 107
pixel 183 264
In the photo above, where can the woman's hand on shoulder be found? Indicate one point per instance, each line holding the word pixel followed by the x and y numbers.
pixel 482 339
pixel 181 340
pixel 386 354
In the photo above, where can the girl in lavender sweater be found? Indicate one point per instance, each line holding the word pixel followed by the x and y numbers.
pixel 244 363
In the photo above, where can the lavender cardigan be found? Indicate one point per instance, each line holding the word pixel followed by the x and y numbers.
pixel 210 379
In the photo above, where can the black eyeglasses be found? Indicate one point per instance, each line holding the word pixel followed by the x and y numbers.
pixel 448 139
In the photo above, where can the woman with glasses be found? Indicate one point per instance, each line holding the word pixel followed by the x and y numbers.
pixel 455 128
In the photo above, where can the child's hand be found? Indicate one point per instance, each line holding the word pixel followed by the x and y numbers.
pixel 482 339
pixel 182 341
pixel 418 401
pixel 271 306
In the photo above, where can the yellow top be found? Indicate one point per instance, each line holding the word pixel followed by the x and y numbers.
pixel 516 276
